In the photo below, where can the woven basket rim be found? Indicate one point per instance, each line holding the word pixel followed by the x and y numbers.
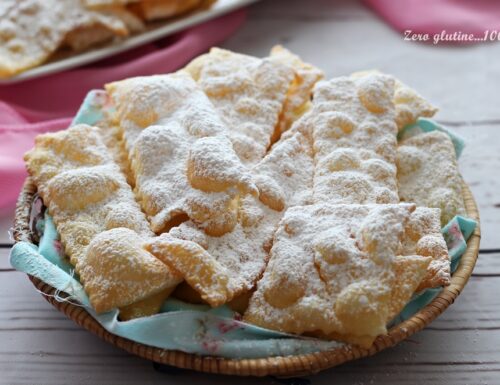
pixel 282 366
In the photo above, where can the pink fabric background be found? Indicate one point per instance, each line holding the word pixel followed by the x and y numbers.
pixel 48 103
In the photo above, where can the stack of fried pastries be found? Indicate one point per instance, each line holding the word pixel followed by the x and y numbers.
pixel 32 31
pixel 254 183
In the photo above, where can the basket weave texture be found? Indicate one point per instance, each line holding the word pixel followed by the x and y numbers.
pixel 287 366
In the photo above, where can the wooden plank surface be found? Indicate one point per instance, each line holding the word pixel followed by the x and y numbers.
pixel 4 259
pixel 6 222
pixel 38 345
pixel 460 346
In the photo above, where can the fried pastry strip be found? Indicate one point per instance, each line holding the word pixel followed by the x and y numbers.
pixel 425 229
pixel 87 195
pixel 236 260
pixel 32 30
pixel 428 174
pixel 148 306
pixel 409 104
pixel 161 9
pixel 149 10
pixel 298 98
pixel 366 144
pixel 334 271
pixel 183 164
pixel 354 139
pixel 248 93
pixel 423 237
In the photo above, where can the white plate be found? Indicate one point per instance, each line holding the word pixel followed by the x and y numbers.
pixel 169 27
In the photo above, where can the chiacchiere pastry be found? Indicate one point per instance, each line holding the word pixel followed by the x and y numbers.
pixel 352 120
pixel 408 103
pixel 152 9
pixel 248 93
pixel 180 154
pixel 428 174
pixel 161 9
pixel 298 97
pixel 222 268
pixel 256 184
pixel 32 31
pixel 87 195
pixel 334 270
pixel 282 81
pixel 423 237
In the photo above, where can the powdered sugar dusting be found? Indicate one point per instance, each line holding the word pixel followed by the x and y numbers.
pixel 409 104
pixel 180 155
pixel 31 30
pixel 428 174
pixel 243 252
pixel 423 236
pixel 336 263
pixel 248 93
pixel 87 194
pixel 355 142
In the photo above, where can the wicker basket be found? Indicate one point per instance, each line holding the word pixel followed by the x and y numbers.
pixel 278 366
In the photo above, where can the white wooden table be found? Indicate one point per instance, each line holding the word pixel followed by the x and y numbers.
pixel 38 345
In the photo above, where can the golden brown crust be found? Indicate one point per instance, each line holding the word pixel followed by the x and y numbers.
pixel 87 195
